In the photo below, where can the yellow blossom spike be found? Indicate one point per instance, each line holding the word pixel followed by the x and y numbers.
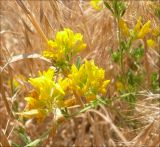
pixel 46 95
pixel 124 28
pixel 106 82
pixel 138 25
pixel 51 43
pixel 59 88
pixel 150 42
pixel 144 30
pixel 119 85
pixel 64 46
pixel 32 102
pixel 88 81
pixel 96 4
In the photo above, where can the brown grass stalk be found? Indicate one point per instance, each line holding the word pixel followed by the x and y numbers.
pixel 3 139
pixel 33 20
pixel 109 121
pixel 2 91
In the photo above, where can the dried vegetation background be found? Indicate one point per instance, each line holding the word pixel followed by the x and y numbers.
pixel 105 126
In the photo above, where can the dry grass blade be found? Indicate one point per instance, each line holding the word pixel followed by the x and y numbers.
pixel 33 20
pixel 22 57
pixel 56 12
pixel 2 91
pixel 143 135
pixel 156 143
pixel 27 27
pixel 3 139
pixel 108 120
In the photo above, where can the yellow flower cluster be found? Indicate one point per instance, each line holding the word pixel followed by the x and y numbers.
pixel 45 96
pixel 88 80
pixel 150 42
pixel 138 32
pixel 96 4
pixel 138 25
pixel 119 85
pixel 146 28
pixel 66 44
pixel 51 92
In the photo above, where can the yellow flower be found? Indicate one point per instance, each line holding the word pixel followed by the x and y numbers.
pixel 88 80
pixel 43 84
pixel 45 96
pixel 34 103
pixel 150 42
pixel 138 25
pixel 124 28
pixel 144 30
pixel 105 83
pixel 96 4
pixel 64 46
pixel 64 83
pixel 119 85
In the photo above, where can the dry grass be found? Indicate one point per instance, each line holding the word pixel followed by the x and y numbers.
pixel 24 32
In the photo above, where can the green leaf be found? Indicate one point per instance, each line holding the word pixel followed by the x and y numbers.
pixel 103 100
pixel 119 8
pixel 15 145
pixel 154 81
pixel 24 138
pixel 93 104
pixel 33 143
pixel 134 79
pixel 130 98
pixel 23 135
pixel 157 12
pixel 123 46
pixel 87 107
pixel 108 6
pixel 116 56
pixel 123 11
pixel 114 5
pixel 78 62
pixel 138 52
pixel 122 8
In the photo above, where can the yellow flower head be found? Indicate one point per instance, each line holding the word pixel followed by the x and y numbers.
pixel 138 25
pixel 66 44
pixel 150 42
pixel 144 30
pixel 45 96
pixel 119 86
pixel 96 4
pixel 88 80
pixel 124 28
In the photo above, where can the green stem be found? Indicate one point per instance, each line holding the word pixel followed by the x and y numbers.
pixel 121 52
